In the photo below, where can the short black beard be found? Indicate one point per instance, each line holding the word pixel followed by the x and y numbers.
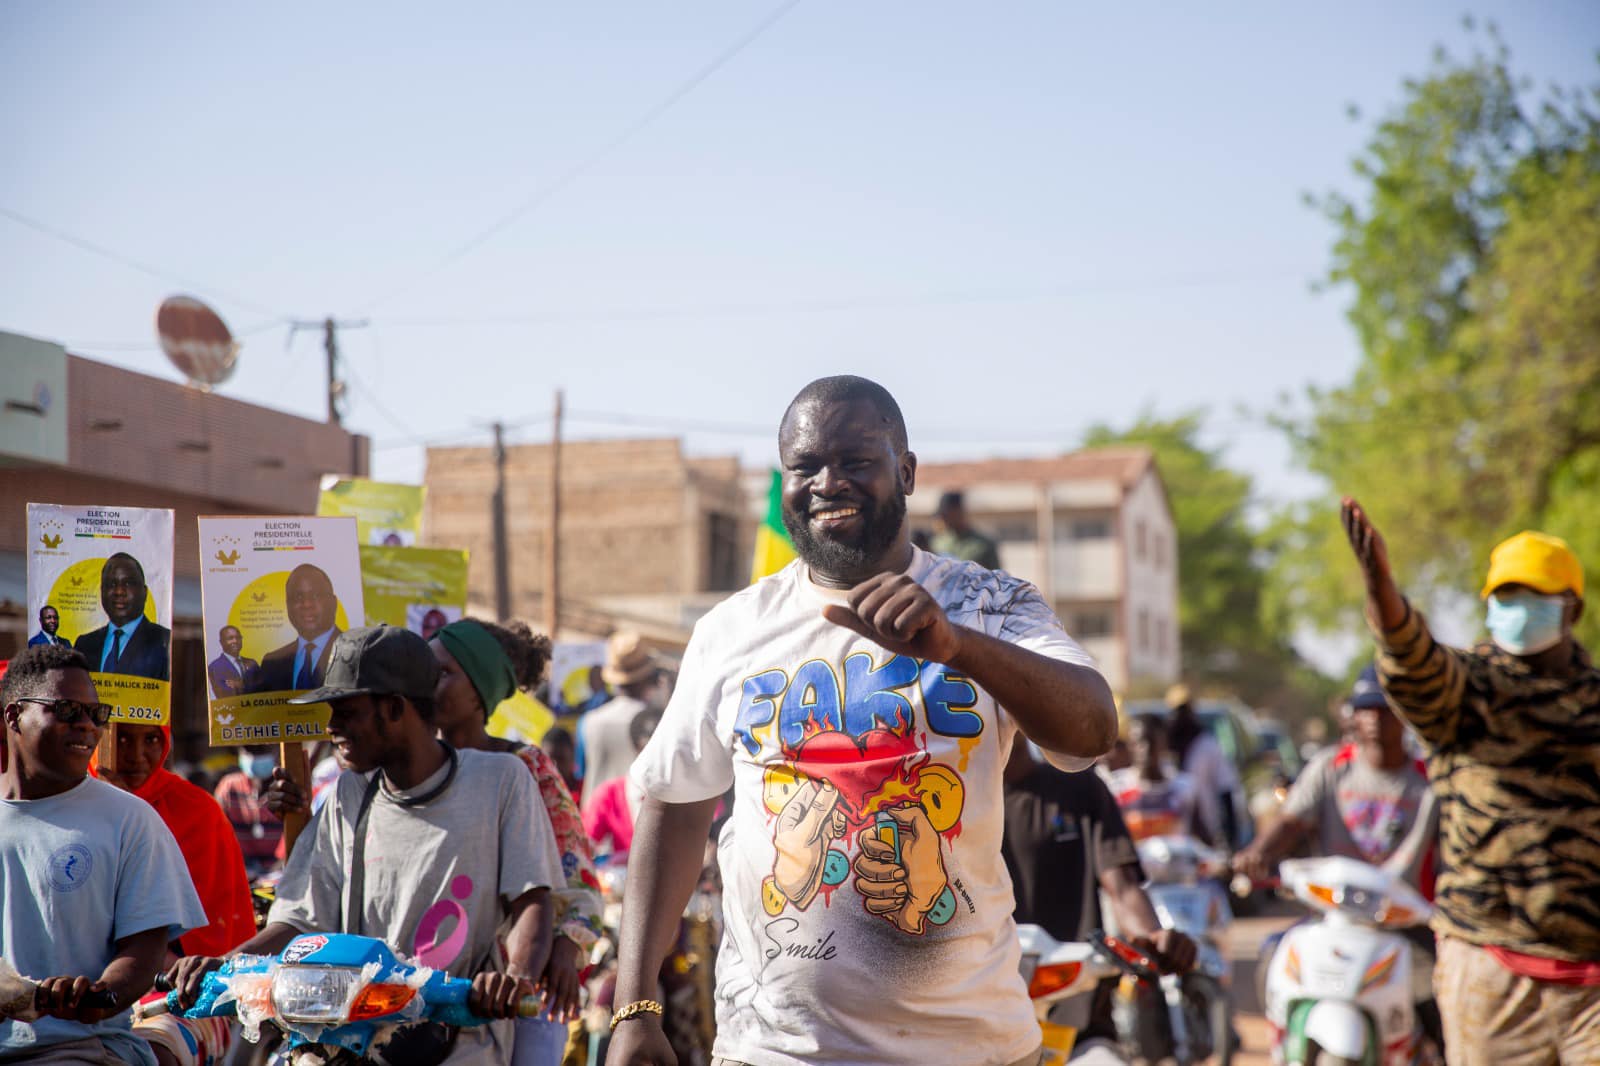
pixel 880 525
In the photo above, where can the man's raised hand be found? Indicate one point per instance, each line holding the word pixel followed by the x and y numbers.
pixel 895 612
pixel 1383 597
pixel 1366 542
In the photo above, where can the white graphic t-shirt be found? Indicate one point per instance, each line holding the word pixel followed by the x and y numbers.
pixel 828 739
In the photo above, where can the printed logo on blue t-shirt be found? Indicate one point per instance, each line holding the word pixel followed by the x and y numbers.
pixel 70 867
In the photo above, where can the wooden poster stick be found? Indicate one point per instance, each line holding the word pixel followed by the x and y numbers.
pixel 292 757
pixel 106 757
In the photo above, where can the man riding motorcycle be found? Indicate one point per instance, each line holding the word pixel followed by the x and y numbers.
pixel 1368 799
pixel 1156 799
pixel 1064 838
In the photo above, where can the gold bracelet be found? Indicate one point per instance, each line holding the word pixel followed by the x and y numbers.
pixel 634 1009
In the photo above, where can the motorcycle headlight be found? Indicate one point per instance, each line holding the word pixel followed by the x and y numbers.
pixel 313 993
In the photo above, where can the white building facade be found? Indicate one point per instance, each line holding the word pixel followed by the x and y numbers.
pixel 1094 531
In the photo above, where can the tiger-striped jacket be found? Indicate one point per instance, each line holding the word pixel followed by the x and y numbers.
pixel 1515 762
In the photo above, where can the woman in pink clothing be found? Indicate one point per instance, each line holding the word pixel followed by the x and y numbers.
pixel 609 817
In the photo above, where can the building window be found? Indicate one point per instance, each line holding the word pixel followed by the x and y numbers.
pixel 1144 629
pixel 722 553
pixel 1139 540
pixel 1161 637
pixel 1088 625
pixel 1161 551
pixel 1089 529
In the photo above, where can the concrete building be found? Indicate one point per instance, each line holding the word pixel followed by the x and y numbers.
pixel 649 537
pixel 1094 531
pixel 75 431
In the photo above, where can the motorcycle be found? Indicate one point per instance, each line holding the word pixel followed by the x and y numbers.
pixel 1062 979
pixel 1194 1018
pixel 330 992
pixel 1338 990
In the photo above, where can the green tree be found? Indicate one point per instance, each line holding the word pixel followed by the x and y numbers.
pixel 1473 257
pixel 1221 573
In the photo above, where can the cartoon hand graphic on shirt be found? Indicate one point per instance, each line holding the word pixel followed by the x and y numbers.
pixel 914 890
pixel 808 823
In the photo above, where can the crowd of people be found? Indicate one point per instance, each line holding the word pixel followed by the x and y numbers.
pixel 892 747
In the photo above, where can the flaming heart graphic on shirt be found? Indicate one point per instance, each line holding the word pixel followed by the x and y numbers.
pixel 835 791
pixel 861 768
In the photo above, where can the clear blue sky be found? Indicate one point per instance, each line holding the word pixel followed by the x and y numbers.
pixel 1023 218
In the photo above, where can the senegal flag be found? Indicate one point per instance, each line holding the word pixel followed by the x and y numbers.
pixel 774 549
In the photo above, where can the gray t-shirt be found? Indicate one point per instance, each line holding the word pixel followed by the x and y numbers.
pixel 607 749
pixel 439 875
pixel 78 872
pixel 1386 817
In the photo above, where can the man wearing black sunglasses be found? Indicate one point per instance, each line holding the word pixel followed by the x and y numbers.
pixel 92 884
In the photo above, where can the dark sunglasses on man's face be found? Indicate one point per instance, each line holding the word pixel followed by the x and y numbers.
pixel 69 711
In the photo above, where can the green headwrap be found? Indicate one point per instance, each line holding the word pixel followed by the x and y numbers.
pixel 483 660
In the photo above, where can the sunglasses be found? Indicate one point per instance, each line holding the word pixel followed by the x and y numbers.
pixel 69 711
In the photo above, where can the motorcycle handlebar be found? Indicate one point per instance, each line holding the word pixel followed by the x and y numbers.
pixel 1124 956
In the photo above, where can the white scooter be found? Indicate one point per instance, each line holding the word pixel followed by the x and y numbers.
pixel 1338 991
pixel 1198 1018
pixel 1062 978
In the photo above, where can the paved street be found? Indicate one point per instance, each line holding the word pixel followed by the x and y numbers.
pixel 1244 951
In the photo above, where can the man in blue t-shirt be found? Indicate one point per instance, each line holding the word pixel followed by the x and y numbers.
pixel 92 884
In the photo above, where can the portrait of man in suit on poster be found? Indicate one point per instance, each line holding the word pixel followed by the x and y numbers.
pixel 312 607
pixel 49 622
pixel 231 674
pixel 129 643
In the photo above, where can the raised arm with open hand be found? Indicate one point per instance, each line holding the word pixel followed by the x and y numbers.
pixel 1384 601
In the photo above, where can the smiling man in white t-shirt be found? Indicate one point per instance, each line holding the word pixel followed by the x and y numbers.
pixel 862 704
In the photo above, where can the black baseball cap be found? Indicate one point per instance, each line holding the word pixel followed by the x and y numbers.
pixel 1368 692
pixel 377 661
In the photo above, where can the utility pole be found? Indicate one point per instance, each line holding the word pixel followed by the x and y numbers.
pixel 502 559
pixel 330 344
pixel 330 327
pixel 552 602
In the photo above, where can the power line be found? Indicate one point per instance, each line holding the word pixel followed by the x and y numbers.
pixel 847 304
pixel 134 264
pixel 544 195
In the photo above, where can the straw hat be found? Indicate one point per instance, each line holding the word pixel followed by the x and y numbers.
pixel 628 661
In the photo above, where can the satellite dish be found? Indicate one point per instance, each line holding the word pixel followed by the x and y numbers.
pixel 196 341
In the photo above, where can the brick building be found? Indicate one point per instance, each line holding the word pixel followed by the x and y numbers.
pixel 75 431
pixel 1093 529
pixel 649 536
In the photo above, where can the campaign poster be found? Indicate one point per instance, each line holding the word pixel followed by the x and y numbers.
pixel 521 717
pixel 275 592
pixel 422 589
pixel 100 580
pixel 387 514
pixel 575 683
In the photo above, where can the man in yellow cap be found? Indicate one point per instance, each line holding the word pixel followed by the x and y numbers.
pixel 1514 728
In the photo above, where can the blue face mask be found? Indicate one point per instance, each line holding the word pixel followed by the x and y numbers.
pixel 257 766
pixel 1525 623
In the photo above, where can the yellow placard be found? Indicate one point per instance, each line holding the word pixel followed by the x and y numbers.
pixel 134 699
pixel 521 717
pixel 386 513
pixel 420 589
pixel 100 580
pixel 277 591
pixel 265 718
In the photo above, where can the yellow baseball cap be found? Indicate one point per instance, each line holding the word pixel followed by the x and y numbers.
pixel 1537 560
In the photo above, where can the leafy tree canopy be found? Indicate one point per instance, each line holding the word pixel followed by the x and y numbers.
pixel 1472 253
